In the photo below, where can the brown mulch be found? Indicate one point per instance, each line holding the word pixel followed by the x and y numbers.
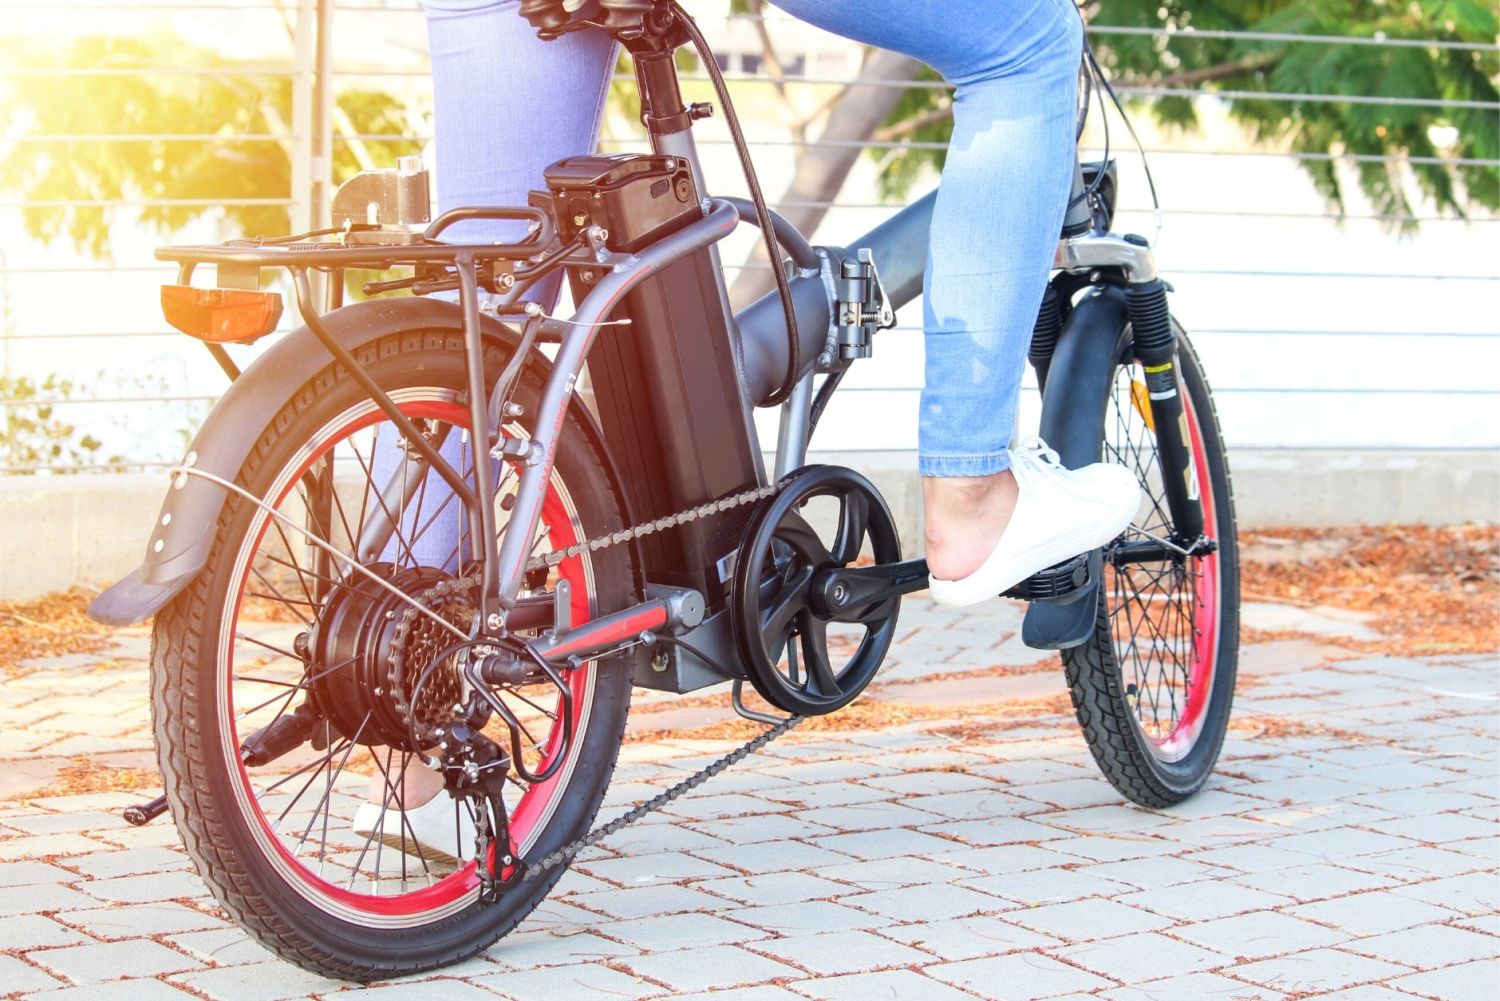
pixel 84 775
pixel 47 627
pixel 1432 589
pixel 869 713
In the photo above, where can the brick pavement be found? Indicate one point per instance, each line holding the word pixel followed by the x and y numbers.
pixel 1348 847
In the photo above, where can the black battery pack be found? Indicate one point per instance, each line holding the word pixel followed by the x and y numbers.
pixel 674 414
pixel 638 198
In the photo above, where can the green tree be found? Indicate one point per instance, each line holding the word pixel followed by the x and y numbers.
pixel 219 169
pixel 1453 146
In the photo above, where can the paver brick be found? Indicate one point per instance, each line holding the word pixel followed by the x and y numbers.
pixel 1311 862
pixel 773 888
pixel 1427 946
pixel 1081 920
pixel 1144 956
pixel 837 952
pixel 136 920
pixel 884 844
pixel 682 931
pixel 887 985
pixel 927 902
pixel 1373 913
pixel 584 982
pixel 96 961
pixel 1317 970
pixel 1259 934
pixel 700 969
pixel 1455 983
pixel 116 990
pixel 1195 986
pixel 257 982
pixel 16 976
pixel 1017 977
pixel 808 917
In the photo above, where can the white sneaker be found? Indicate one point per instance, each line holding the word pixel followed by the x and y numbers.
pixel 429 830
pixel 1060 513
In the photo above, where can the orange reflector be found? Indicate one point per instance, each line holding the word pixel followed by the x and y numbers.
pixel 220 315
pixel 1140 396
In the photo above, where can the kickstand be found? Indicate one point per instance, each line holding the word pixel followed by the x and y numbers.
pixel 738 691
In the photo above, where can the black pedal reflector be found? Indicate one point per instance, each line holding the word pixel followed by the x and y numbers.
pixel 1054 583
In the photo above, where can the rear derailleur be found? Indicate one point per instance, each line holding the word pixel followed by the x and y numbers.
pixel 475 769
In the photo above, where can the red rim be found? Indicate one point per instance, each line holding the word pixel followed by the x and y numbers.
pixel 1205 606
pixel 534 805
pixel 1201 578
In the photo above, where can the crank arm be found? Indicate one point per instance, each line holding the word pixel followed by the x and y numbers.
pixel 844 594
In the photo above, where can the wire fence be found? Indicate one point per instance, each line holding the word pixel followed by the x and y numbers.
pixel 1348 335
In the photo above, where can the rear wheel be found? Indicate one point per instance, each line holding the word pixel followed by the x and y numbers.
pixel 1152 687
pixel 275 626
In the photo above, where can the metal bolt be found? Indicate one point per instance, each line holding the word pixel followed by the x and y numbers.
pixel 379 690
pixel 512 409
pixel 580 219
pixel 671 164
pixel 840 593
pixel 494 621
pixel 507 280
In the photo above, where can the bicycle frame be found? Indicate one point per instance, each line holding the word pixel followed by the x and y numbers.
pixel 760 344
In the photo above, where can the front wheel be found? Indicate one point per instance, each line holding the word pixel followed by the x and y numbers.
pixel 1152 686
pixel 279 704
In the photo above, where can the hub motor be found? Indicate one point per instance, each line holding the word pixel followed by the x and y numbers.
pixel 368 655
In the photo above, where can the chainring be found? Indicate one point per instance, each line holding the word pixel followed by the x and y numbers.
pixel 782 633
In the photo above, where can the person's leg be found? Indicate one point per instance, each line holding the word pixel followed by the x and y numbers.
pixel 506 105
pixel 999 211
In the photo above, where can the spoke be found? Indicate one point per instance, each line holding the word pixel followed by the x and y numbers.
pixel 374 492
pixel 797 533
pixel 328 789
pixel 289 655
pixel 854 518
pixel 288 602
pixel 513 691
pixel 311 573
pixel 814 636
pixel 316 767
pixel 301 685
pixel 789 599
pixel 296 566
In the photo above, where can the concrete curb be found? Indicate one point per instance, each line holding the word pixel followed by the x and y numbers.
pixel 91 529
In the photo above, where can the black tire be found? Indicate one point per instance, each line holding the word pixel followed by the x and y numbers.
pixel 233 844
pixel 1152 760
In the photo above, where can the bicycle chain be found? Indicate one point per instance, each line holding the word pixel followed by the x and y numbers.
pixel 445 589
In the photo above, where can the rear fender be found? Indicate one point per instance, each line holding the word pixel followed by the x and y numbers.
pixel 1073 407
pixel 185 527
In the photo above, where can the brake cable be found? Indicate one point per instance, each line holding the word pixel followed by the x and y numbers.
pixel 762 213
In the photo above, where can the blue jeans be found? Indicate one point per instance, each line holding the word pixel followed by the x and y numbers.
pixel 999 210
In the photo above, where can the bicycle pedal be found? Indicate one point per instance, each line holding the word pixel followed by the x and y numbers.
pixel 1056 583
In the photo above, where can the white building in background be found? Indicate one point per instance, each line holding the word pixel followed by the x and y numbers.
pixel 1316 333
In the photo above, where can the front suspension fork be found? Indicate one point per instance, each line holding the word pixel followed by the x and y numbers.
pixel 1156 347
